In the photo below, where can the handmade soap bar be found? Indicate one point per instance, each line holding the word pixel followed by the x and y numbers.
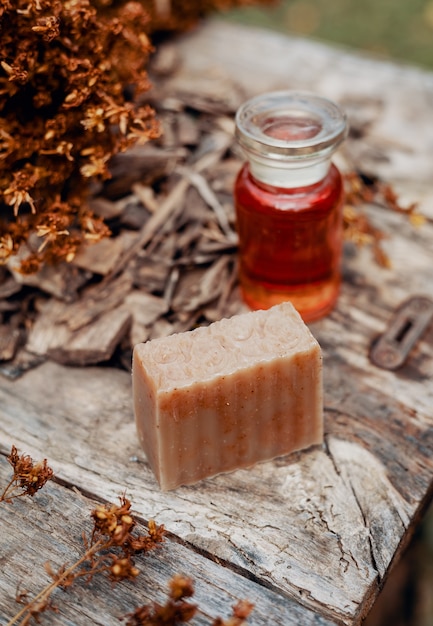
pixel 222 397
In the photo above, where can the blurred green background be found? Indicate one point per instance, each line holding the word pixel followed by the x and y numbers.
pixel 397 29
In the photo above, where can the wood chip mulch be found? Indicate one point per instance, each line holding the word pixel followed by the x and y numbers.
pixel 170 263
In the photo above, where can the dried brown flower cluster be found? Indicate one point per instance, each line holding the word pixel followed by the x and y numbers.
pixel 64 68
pixel 113 525
pixel 63 115
pixel 28 477
pixel 177 609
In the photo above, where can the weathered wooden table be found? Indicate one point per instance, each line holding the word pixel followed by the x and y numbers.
pixel 309 538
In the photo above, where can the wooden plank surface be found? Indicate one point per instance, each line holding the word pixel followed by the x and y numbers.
pixel 321 527
pixel 50 528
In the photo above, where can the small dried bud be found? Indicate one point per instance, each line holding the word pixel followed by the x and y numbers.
pixel 123 569
pixel 181 587
pixel 48 27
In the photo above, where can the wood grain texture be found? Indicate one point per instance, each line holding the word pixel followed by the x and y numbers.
pixel 49 528
pixel 321 527
pixel 291 522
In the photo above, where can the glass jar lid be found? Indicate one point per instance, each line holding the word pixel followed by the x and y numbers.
pixel 290 125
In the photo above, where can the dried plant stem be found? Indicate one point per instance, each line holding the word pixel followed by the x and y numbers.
pixel 47 591
pixel 8 493
pixel 112 530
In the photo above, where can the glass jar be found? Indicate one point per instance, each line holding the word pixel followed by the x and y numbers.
pixel 289 201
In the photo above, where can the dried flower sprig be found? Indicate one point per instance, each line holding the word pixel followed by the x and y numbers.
pixel 28 477
pixel 177 610
pixel 360 190
pixel 109 549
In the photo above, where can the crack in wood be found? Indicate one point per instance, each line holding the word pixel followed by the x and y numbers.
pixel 351 487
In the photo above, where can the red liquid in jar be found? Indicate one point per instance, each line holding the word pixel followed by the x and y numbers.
pixel 290 242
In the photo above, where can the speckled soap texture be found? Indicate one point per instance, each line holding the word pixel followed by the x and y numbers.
pixel 226 396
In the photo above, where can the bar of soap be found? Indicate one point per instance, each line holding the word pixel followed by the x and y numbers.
pixel 226 396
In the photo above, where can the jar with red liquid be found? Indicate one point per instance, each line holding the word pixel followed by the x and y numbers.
pixel 289 202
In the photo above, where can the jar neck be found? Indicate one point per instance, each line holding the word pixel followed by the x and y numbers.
pixel 288 175
pixel 289 137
